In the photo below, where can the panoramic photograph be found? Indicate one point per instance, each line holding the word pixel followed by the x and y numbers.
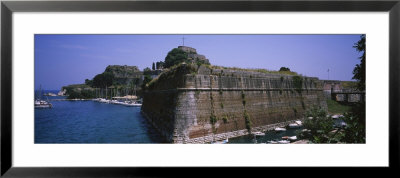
pixel 199 89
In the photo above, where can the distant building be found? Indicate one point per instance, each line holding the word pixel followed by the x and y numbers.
pixel 342 91
pixel 187 49
pixel 332 86
pixel 192 54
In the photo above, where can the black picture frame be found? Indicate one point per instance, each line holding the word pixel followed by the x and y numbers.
pixel 8 7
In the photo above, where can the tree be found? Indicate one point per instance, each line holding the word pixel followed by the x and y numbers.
pixel 159 65
pixel 359 70
pixel 103 80
pixel 88 82
pixel 146 71
pixel 284 69
pixel 318 125
pixel 146 80
pixel 153 66
pixel 174 57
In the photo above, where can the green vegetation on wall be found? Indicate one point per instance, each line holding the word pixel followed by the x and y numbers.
pixel 213 119
pixel 298 83
pixel 247 121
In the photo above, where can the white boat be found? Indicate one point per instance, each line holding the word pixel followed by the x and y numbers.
pixel 335 116
pixel 259 134
pixel 39 103
pixel 283 141
pixel 298 123
pixel 272 142
pixel 293 138
pixel 126 103
pixel 50 94
pixel 102 100
pixel 279 129
pixel 42 104
pixel 114 101
pixel 293 126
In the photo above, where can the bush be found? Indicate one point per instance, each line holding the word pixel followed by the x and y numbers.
pixel 284 69
pixel 146 80
pixel 247 121
pixel 298 83
pixel 213 119
pixel 354 132
pixel 174 57
pixel 225 119
pixel 320 126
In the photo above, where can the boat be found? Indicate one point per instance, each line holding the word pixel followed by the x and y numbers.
pixel 221 142
pixel 285 137
pixel 294 126
pixel 298 123
pixel 279 129
pixel 272 142
pixel 283 141
pixel 42 104
pixel 39 103
pixel 292 138
pixel 259 133
pixel 50 94
pixel 133 103
pixel 102 100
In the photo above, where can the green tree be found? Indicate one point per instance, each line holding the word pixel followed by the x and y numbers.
pixel 159 65
pixel 89 82
pixel 175 56
pixel 284 69
pixel 103 80
pixel 146 71
pixel 359 70
pixel 153 66
pixel 319 126
pixel 146 80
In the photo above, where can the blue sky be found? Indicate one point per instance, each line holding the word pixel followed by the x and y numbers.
pixel 70 59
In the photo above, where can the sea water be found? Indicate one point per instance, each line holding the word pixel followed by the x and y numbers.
pixel 92 122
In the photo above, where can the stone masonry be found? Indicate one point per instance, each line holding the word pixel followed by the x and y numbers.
pixel 214 104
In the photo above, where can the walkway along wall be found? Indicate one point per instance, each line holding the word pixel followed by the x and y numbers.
pixel 200 105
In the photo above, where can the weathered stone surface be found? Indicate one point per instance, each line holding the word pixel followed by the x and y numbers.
pixel 183 106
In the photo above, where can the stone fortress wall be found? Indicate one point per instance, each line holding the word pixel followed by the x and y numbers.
pixel 203 105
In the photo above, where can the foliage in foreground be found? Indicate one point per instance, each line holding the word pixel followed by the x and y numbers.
pixel 322 129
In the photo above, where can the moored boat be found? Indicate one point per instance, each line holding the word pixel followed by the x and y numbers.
pixel 259 133
pixel 292 138
pixel 42 104
pixel 39 103
pixel 294 126
pixel 279 129
pixel 283 141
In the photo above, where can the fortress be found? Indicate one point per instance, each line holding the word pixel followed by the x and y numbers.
pixel 192 54
pixel 200 104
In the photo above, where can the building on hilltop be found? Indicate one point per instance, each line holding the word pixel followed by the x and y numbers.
pixel 193 56
pixel 187 49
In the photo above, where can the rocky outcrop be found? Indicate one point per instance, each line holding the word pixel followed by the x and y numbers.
pixel 191 104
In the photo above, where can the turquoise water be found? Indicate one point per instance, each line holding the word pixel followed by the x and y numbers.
pixel 92 122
